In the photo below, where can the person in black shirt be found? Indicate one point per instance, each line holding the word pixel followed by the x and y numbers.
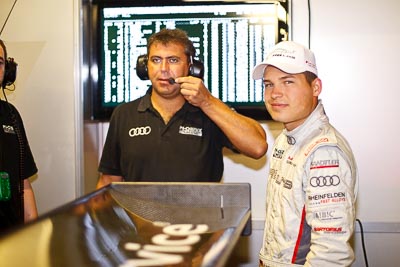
pixel 17 199
pixel 177 131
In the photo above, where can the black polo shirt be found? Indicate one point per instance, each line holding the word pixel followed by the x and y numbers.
pixel 13 146
pixel 140 147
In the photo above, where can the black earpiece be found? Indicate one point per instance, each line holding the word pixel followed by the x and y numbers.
pixel 10 74
pixel 196 68
pixel 141 67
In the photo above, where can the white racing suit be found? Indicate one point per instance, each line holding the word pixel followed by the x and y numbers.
pixel 311 194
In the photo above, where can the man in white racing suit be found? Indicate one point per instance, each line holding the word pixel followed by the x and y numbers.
pixel 312 183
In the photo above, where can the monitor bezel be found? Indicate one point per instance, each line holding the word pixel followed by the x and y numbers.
pixel 94 110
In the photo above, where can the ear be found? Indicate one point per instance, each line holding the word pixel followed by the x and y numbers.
pixel 316 86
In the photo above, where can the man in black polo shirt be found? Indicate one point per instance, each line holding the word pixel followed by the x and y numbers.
pixel 176 132
pixel 17 200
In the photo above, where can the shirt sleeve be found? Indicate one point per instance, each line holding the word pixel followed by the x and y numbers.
pixel 330 207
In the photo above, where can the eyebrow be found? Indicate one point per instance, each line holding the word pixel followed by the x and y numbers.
pixel 288 76
pixel 173 56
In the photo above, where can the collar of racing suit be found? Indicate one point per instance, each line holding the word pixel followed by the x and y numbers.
pixel 302 130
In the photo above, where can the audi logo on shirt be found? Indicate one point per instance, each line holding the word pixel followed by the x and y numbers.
pixel 145 130
pixel 322 181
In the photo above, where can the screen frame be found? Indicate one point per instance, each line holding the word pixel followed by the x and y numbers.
pixel 94 110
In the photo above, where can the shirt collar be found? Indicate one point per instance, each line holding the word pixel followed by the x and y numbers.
pixel 145 103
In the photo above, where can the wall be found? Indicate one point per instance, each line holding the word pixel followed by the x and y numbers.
pixel 357 64
pixel 356 43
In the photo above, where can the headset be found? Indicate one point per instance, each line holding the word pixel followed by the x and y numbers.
pixel 196 68
pixel 10 74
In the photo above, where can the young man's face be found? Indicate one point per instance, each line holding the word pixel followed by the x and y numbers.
pixel 289 98
pixel 2 65
pixel 165 62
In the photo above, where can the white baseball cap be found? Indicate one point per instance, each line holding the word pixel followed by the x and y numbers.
pixel 289 57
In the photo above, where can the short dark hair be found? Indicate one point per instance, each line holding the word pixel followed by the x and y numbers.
pixel 178 36
pixel 4 49
pixel 310 77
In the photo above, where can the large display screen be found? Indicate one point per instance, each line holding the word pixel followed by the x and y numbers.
pixel 230 39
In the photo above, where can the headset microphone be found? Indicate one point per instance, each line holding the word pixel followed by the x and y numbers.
pixel 171 80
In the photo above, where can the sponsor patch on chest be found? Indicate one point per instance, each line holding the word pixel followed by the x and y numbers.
pixel 323 164
pixel 188 130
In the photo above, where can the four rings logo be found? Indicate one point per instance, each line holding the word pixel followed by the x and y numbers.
pixel 322 181
pixel 139 131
